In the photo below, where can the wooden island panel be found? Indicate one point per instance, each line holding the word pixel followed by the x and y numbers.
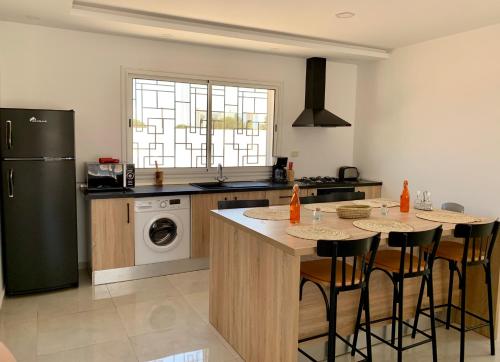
pixel 253 294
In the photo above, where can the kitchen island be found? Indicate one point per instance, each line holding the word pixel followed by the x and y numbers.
pixel 255 275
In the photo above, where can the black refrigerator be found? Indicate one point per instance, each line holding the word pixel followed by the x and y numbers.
pixel 38 205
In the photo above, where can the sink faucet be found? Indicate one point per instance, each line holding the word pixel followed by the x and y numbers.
pixel 220 177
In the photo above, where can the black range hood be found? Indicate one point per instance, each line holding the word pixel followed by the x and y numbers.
pixel 315 114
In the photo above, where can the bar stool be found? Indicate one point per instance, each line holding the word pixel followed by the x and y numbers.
pixel 453 206
pixel 346 276
pixel 238 204
pixel 410 261
pixel 333 197
pixel 477 248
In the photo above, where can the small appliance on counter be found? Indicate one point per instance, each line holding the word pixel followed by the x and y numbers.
pixel 110 176
pixel 348 173
pixel 279 171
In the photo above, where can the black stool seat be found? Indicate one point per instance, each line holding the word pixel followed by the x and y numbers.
pixel 239 204
pixel 333 197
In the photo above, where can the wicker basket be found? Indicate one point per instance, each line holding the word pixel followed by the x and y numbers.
pixel 354 211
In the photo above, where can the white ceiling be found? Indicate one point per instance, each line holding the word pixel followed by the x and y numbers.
pixel 278 26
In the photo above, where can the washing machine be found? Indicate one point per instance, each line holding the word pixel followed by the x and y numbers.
pixel 162 229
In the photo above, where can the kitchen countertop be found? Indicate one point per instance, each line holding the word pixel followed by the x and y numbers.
pixel 186 189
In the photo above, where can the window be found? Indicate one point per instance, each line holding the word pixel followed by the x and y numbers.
pixel 172 121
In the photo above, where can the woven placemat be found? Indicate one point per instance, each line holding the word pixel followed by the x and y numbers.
pixel 447 217
pixel 325 206
pixel 316 232
pixel 377 202
pixel 269 213
pixel 382 225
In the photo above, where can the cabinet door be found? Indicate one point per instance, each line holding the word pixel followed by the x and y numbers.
pixel 312 192
pixel 112 223
pixel 200 217
pixel 283 197
pixel 371 192
pixel 200 221
pixel 248 195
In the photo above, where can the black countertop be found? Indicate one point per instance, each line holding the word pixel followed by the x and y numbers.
pixel 186 189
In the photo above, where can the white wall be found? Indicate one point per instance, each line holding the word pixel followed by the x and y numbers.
pixel 53 68
pixel 431 113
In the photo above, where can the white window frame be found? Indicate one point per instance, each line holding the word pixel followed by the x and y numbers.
pixel 186 174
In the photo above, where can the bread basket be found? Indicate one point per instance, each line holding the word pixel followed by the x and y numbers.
pixel 354 211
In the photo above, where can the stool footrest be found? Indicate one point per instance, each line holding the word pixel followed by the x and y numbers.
pixel 324 335
pixel 416 344
pixel 486 322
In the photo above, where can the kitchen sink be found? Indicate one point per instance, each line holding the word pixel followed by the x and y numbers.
pixel 230 185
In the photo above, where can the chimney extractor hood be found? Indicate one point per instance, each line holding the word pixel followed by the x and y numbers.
pixel 315 114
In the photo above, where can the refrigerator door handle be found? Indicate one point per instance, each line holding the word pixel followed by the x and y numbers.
pixel 56 159
pixel 8 134
pixel 11 183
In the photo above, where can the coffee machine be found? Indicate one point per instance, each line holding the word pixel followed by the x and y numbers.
pixel 279 171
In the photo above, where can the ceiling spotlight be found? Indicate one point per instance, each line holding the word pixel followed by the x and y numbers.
pixel 345 15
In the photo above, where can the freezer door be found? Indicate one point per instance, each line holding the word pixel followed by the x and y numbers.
pixel 39 234
pixel 26 133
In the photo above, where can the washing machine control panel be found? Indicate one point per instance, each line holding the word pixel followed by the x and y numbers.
pixel 165 203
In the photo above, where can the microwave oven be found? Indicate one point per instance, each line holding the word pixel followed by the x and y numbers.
pixel 110 176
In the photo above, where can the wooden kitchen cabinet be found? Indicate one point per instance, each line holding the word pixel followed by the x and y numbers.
pixel 200 217
pixel 112 233
pixel 371 192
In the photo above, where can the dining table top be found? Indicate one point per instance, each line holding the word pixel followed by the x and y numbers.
pixel 274 231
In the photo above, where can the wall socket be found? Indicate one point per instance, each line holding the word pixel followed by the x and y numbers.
pixel 294 154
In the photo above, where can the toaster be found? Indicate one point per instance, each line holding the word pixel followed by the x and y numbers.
pixel 348 173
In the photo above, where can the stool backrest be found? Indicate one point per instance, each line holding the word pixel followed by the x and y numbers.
pixel 421 244
pixel 479 240
pixel 238 204
pixel 359 251
pixel 333 197
pixel 452 206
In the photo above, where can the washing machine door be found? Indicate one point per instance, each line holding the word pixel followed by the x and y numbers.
pixel 163 233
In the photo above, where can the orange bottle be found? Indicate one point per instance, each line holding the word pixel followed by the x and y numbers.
pixel 295 206
pixel 404 203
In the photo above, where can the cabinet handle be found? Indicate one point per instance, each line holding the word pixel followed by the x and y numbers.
pixel 225 198
pixel 8 134
pixel 11 183
pixel 236 198
pixel 128 213
pixel 285 197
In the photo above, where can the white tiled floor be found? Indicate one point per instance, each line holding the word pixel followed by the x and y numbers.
pixel 164 319
pixel 160 319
